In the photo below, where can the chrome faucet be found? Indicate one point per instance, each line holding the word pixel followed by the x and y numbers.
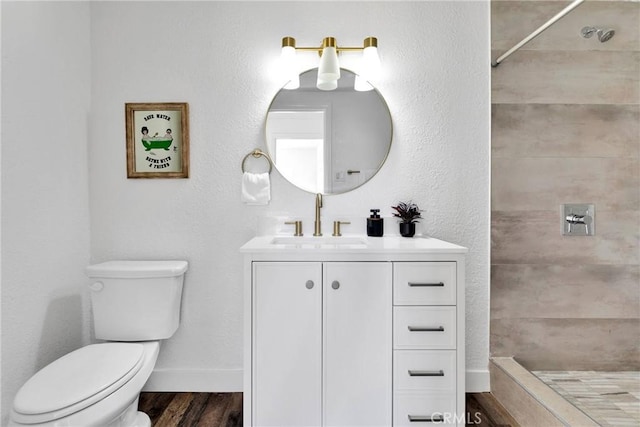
pixel 317 225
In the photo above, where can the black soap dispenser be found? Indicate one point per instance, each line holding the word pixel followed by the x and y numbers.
pixel 375 224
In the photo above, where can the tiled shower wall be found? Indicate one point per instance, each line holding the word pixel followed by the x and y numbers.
pixel 566 129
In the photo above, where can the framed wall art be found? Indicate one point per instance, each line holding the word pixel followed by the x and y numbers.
pixel 157 140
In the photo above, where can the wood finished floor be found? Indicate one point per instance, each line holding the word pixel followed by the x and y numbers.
pixel 225 410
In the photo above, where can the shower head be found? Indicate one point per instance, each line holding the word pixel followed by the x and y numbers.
pixel 604 35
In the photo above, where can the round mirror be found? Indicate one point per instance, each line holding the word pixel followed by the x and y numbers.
pixel 328 142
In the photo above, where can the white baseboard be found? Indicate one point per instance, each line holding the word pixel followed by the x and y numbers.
pixel 195 380
pixel 478 381
pixel 230 380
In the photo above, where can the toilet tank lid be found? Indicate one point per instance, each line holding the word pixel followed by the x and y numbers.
pixel 137 269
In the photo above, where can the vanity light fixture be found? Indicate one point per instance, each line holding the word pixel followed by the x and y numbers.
pixel 289 65
pixel 329 66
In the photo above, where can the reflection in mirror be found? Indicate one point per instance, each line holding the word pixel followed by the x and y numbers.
pixel 328 142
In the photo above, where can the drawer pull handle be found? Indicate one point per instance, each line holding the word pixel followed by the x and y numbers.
pixel 425 329
pixel 439 373
pixel 413 284
pixel 426 419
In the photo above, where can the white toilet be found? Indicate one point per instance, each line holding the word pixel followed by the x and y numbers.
pixel 135 304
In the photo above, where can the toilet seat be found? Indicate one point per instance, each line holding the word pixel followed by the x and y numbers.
pixel 76 381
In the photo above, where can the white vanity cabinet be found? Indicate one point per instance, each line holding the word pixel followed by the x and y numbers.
pixel 287 344
pixel 354 335
pixel 425 318
pixel 321 344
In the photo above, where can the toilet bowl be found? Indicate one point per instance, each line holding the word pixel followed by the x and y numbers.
pixel 135 304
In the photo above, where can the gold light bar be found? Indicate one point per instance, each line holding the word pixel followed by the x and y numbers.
pixel 329 41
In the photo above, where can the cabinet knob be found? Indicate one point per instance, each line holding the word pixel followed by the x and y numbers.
pixel 309 284
pixel 335 284
pixel 96 286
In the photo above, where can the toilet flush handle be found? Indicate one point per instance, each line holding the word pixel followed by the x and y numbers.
pixel 96 286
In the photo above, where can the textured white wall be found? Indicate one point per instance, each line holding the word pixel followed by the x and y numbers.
pixel 45 216
pixel 220 58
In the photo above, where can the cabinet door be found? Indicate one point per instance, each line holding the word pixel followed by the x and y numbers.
pixel 287 344
pixel 358 344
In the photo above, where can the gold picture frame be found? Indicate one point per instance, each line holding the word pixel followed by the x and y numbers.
pixel 150 155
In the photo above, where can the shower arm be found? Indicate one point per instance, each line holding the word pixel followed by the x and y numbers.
pixel 537 32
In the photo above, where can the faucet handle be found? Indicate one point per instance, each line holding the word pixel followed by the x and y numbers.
pixel 336 227
pixel 298 225
pixel 573 219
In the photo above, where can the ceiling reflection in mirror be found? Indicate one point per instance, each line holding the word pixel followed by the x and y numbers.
pixel 328 142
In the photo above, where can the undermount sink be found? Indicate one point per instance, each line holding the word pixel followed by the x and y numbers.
pixel 319 240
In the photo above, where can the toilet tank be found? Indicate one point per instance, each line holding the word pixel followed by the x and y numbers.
pixel 136 300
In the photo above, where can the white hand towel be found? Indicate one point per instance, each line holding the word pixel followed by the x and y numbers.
pixel 256 188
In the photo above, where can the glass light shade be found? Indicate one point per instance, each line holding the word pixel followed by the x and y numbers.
pixel 328 69
pixel 361 84
pixel 294 83
pixel 370 65
pixel 290 67
pixel 327 84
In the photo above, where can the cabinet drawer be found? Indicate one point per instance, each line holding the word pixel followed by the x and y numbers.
pixel 424 409
pixel 424 283
pixel 424 370
pixel 424 328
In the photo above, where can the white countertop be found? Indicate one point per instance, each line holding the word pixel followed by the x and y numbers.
pixel 355 245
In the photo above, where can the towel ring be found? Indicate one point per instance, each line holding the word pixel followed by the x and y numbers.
pixel 257 153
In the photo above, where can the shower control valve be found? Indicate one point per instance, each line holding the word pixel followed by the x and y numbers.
pixel 574 219
pixel 577 220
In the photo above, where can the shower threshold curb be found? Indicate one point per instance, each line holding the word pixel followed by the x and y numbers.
pixel 529 400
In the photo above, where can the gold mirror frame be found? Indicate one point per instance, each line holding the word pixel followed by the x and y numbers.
pixel 358 125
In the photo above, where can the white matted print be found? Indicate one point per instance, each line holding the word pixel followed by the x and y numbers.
pixel 157 140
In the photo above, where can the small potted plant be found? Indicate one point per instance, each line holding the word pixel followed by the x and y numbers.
pixel 409 213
